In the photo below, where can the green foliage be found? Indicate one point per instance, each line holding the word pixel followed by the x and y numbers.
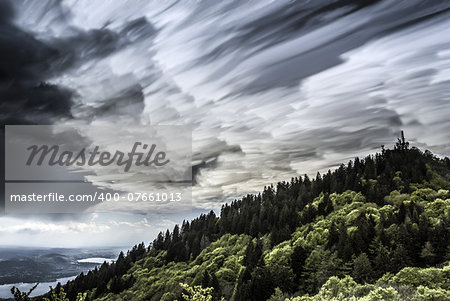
pixel 435 278
pixel 399 287
pixel 337 289
pixel 374 229
pixel 362 268
pixel 278 295
pixel 319 266
pixel 280 255
pixel 428 253
pixel 382 294
pixel 196 293
pixel 60 295
pixel 347 197
pixel 425 293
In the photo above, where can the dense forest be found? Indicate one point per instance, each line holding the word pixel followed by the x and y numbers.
pixel 376 228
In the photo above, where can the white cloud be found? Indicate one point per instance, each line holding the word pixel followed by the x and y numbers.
pixel 268 98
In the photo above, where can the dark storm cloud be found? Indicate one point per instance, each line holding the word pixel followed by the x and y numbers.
pixel 83 46
pixel 128 101
pixel 24 95
pixel 27 64
pixel 25 98
pixel 208 158
pixel 137 29
pixel 122 93
pixel 124 99
pixel 271 88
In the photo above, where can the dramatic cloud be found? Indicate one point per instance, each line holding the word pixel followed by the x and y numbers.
pixel 272 89
pixel 25 65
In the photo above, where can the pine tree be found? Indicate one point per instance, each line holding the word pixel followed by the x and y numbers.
pixel 362 268
pixel 427 253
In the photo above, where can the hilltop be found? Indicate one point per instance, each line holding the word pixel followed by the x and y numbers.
pixel 376 228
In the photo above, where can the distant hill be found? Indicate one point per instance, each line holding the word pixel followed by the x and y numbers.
pixel 18 264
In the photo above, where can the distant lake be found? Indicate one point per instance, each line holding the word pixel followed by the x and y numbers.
pixel 42 288
pixel 24 267
pixel 98 260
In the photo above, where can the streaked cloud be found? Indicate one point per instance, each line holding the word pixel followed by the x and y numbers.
pixel 272 89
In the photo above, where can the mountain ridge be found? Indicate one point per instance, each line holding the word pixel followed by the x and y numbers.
pixel 355 229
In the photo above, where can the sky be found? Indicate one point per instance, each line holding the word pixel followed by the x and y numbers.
pixel 271 90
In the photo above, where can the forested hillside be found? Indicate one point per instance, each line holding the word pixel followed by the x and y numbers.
pixel 374 229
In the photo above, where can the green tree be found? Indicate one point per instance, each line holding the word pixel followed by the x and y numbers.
pixel 382 261
pixel 427 253
pixel 196 293
pixel 362 268
pixel 57 296
pixel 319 266
pixel 298 258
